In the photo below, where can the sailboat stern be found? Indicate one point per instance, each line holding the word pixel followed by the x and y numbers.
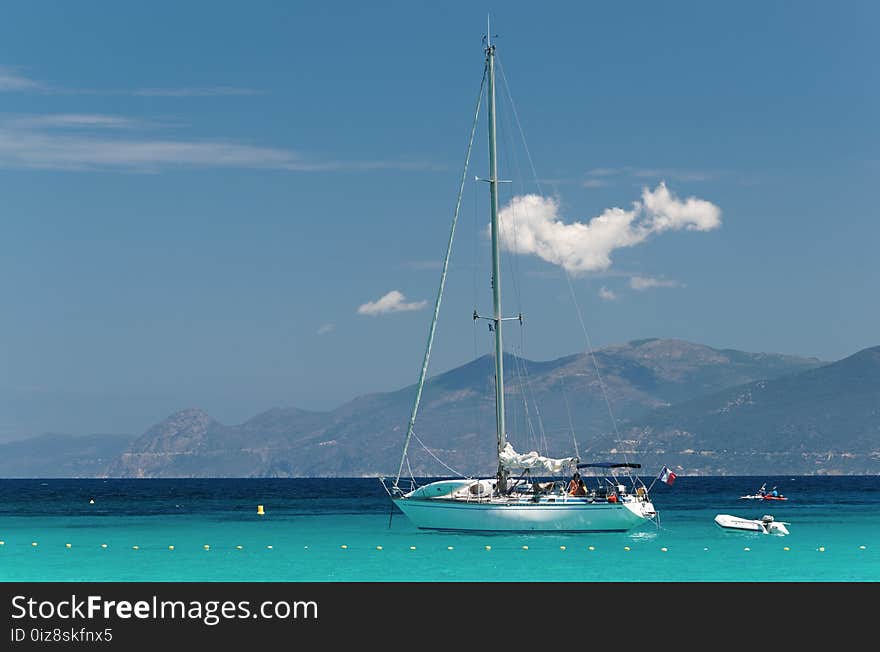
pixel 642 509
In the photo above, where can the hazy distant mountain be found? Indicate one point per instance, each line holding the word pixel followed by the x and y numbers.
pixel 697 409
pixel 545 401
pixel 192 444
pixel 61 456
pixel 824 420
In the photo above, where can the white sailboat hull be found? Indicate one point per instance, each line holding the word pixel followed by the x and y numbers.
pixel 569 516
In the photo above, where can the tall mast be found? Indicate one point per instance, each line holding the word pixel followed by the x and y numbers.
pixel 496 260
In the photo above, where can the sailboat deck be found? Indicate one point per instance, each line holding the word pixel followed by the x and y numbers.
pixel 539 500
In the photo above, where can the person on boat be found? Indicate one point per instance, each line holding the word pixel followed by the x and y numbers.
pixel 576 486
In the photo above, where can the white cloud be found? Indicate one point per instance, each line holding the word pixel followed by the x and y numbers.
pixel 394 301
pixel 607 294
pixel 530 224
pixel 641 283
pixel 326 328
pixel 12 80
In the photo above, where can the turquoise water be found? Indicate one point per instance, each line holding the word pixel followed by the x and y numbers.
pixel 338 531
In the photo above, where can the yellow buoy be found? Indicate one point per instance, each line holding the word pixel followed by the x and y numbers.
pixel 103 545
pixel 821 548
pixel 562 547
pixel 663 549
pixel 135 548
pixel 786 548
pixel 2 543
pixel 34 544
pixel 488 547
pixel 525 547
pixel 449 547
pixel 412 547
pixel 591 548
pixel 378 547
pixel 268 547
pixel 260 510
pixel 206 547
pixel 861 547
pixel 344 547
pixel 239 547
pixel 67 545
pixel 626 548
pixel 170 547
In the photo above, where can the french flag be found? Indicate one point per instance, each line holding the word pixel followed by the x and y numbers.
pixel 667 476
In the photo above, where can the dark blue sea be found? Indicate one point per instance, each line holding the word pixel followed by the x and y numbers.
pixel 345 530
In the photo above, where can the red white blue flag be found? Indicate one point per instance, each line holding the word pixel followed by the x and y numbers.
pixel 667 476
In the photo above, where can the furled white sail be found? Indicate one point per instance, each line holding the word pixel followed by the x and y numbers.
pixel 512 460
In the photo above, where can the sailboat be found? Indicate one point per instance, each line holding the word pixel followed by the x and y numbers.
pixel 514 499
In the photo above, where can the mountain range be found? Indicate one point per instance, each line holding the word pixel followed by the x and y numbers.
pixel 699 410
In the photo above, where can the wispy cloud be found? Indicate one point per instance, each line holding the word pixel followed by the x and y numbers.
pixel 676 174
pixel 84 142
pixel 605 293
pixel 195 91
pixel 87 142
pixel 605 175
pixel 38 150
pixel 72 121
pixel 326 328
pixel 11 80
pixel 394 301
pixel 642 283
pixel 530 224
pixel 604 172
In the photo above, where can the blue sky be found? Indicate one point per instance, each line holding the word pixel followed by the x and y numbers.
pixel 199 199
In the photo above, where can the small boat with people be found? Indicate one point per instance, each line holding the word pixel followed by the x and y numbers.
pixel 763 494
pixel 764 525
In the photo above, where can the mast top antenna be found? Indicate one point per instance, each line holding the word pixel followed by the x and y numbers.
pixel 488 36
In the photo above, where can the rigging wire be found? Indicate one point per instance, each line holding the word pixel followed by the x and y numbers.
pixel 441 462
pixel 424 370
pixel 570 422
pixel 566 274
pixel 544 444
pixel 511 158
pixel 522 390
